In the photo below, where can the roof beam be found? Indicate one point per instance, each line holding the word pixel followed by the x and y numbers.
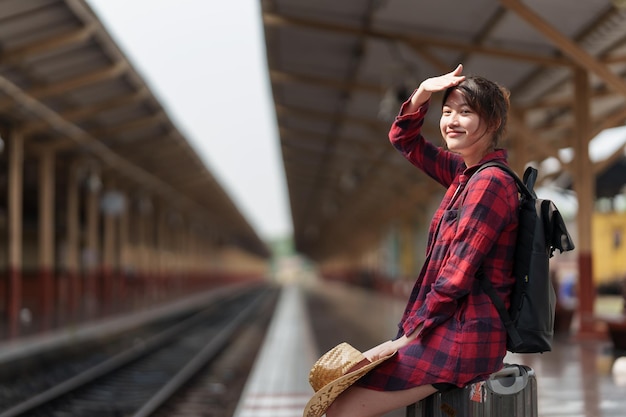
pixel 22 53
pixel 579 55
pixel 284 77
pixel 377 126
pixel 599 124
pixel 63 143
pixel 82 112
pixel 273 19
pixel 526 134
pixel 319 147
pixel 611 120
pixel 133 124
pixel 289 134
pixel 58 88
pixel 566 101
pixel 137 146
pixel 372 124
pixel 431 58
pixel 484 32
pixel 78 135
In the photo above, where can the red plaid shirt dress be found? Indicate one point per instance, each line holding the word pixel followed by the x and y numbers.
pixel 462 339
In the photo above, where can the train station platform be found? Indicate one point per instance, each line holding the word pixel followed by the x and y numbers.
pixel 574 380
pixel 278 385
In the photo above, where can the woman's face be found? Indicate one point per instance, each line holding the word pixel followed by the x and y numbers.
pixel 462 129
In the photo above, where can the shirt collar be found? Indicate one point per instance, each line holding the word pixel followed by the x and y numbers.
pixel 498 155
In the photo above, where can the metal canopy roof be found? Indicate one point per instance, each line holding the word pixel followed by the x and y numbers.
pixel 339 70
pixel 67 86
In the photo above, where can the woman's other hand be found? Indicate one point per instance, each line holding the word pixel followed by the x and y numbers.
pixel 380 351
pixel 388 347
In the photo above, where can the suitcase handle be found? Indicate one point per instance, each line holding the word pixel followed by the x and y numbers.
pixel 509 370
pixel 509 380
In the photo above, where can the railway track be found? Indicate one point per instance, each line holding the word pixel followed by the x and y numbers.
pixel 142 373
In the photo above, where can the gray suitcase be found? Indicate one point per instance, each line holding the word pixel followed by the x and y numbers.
pixel 510 392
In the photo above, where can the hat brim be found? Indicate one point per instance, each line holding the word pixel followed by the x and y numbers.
pixel 324 397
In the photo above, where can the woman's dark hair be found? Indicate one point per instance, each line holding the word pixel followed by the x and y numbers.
pixel 488 99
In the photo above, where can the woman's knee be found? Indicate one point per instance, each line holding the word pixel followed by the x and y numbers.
pixel 332 411
pixel 347 404
pixel 337 408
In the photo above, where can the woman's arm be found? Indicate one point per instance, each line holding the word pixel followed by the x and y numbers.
pixel 433 85
pixel 405 133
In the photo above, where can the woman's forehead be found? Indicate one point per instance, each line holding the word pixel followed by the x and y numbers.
pixel 455 98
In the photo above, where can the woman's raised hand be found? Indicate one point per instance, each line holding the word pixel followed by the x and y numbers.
pixel 444 81
pixel 435 84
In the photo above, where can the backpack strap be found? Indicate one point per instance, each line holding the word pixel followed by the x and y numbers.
pixel 530 176
pixel 516 339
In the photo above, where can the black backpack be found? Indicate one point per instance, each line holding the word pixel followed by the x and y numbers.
pixel 529 320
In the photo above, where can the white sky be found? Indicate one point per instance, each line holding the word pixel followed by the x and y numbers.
pixel 205 62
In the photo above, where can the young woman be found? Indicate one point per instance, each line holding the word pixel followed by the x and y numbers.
pixel 450 333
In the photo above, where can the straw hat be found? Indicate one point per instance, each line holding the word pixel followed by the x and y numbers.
pixel 333 373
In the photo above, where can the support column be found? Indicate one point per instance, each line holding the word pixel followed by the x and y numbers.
pixel 72 243
pixel 140 249
pixel 519 142
pixel 92 250
pixel 173 226
pixel 15 207
pixel 109 266
pixel 149 265
pixel 126 275
pixel 149 253
pixel 160 250
pixel 193 252
pixel 178 254
pixel 46 236
pixel 584 184
pixel 168 269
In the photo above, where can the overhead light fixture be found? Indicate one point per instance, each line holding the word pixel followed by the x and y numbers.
pixel 94 183
pixel 113 202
